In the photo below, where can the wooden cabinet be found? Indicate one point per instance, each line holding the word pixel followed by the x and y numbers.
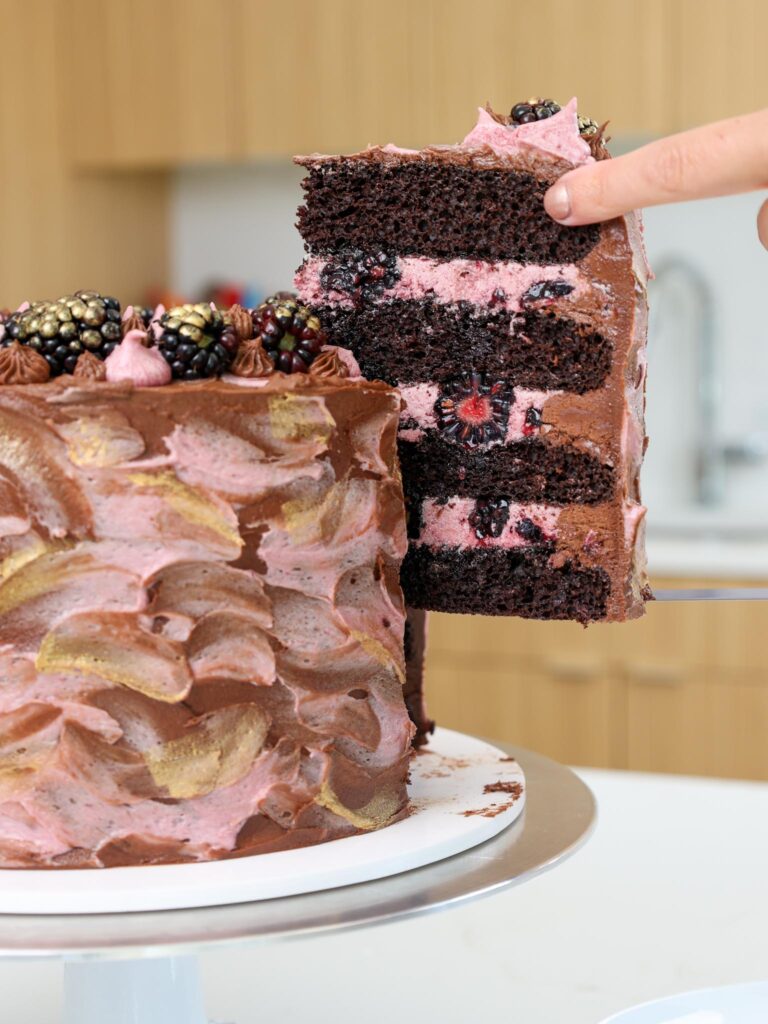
pixel 685 689
pixel 720 58
pixel 158 84
pixel 699 725
pixel 148 83
pixel 64 229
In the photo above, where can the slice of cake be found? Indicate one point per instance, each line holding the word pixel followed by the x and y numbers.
pixel 201 624
pixel 518 347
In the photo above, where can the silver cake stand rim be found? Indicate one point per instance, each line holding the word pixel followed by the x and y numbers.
pixel 559 816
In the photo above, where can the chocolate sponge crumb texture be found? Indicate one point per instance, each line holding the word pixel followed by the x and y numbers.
pixel 518 346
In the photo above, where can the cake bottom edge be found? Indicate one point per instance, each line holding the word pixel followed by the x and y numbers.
pixel 499 581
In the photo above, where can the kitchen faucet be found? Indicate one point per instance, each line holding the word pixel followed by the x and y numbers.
pixel 678 280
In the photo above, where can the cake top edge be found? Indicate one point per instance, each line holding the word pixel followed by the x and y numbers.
pixel 88 337
pixel 67 389
pixel 537 131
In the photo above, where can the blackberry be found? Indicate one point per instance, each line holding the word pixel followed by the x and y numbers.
pixel 587 127
pixel 532 421
pixel 145 314
pixel 197 341
pixel 489 517
pixel 290 333
pixel 528 530
pixel 472 411
pixel 534 110
pixel 543 291
pixel 60 331
pixel 363 276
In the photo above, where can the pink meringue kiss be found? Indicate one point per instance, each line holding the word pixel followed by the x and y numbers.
pixel 131 361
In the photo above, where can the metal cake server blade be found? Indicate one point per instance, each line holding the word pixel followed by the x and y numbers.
pixel 713 594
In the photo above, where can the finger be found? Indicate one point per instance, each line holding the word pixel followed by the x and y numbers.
pixel 762 223
pixel 715 160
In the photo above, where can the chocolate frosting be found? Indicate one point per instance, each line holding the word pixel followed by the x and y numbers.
pixel 201 627
pixel 252 361
pixel 241 321
pixel 329 364
pixel 90 367
pixel 20 364
pixel 135 323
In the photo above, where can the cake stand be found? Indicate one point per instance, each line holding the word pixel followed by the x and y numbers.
pixel 141 968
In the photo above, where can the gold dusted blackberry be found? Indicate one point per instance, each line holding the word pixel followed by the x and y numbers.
pixel 62 330
pixel 197 341
pixel 290 333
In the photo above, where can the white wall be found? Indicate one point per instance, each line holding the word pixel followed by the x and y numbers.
pixel 236 224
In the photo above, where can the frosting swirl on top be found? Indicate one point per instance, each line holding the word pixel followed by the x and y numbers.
pixel 252 361
pixel 20 364
pixel 329 364
pixel 241 321
pixel 133 322
pixel 89 367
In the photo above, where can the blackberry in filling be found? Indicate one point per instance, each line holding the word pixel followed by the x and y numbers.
pixel 61 331
pixel 546 290
pixel 532 421
pixel 290 333
pixel 528 530
pixel 197 341
pixel 363 276
pixel 489 517
pixel 474 412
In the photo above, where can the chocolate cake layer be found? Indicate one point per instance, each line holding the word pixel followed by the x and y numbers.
pixel 524 471
pixel 435 209
pixel 518 347
pixel 503 581
pixel 409 341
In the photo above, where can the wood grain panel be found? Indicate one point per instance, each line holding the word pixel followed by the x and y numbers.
pixel 720 49
pixel 685 689
pixel 63 229
pixel 569 713
pixel 159 86
pixel 717 728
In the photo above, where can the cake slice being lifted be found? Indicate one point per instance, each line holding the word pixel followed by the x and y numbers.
pixel 519 348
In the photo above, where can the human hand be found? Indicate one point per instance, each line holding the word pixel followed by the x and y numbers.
pixel 715 160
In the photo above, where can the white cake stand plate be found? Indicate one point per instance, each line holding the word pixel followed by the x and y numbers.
pixel 471 834
pixel 463 791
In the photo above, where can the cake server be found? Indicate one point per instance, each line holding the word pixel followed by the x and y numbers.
pixel 713 594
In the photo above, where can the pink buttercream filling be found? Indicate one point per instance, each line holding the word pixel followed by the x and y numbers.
pixel 419 406
pixel 500 285
pixel 557 135
pixel 448 525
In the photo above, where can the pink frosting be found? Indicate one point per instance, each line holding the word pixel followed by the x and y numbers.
pixel 448 525
pixel 419 405
pixel 132 361
pixel 154 325
pixel 178 514
pixel 557 135
pixel 346 356
pixel 499 284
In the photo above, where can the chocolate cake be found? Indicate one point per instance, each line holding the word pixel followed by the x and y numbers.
pixel 518 347
pixel 201 624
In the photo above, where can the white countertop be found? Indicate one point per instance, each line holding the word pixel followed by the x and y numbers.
pixel 671 893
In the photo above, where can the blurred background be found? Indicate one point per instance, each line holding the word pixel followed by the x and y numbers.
pixel 145 150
